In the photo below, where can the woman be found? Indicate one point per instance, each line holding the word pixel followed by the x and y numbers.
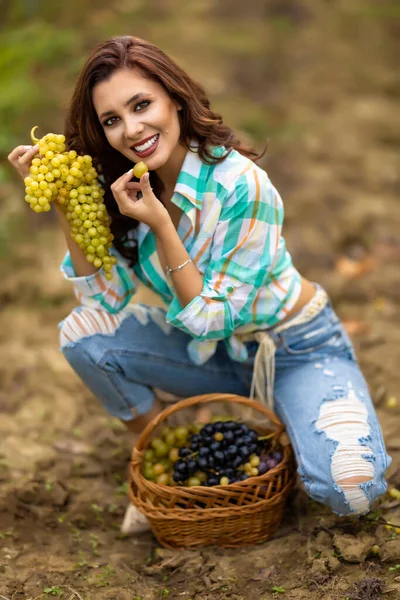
pixel 204 232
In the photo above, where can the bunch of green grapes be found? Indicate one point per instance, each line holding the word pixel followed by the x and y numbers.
pixel 160 457
pixel 72 181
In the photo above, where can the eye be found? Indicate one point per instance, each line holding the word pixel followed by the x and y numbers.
pixel 107 122
pixel 138 107
pixel 143 103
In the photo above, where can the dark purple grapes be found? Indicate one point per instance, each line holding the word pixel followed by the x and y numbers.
pixel 208 440
pixel 229 426
pixel 191 467
pixel 203 463
pixel 212 480
pixel 244 451
pixel 181 467
pixel 211 462
pixel 223 457
pixel 219 457
pixel 215 446
pixel 229 436
pixel 237 462
pixel 184 452
pixel 218 426
pixel 253 435
pixel 262 467
pixel 204 451
pixel 207 430
pixel 232 451
pixel 243 428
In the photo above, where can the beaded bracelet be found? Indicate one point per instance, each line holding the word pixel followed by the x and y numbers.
pixel 168 270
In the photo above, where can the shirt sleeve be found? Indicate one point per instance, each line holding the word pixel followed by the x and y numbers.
pixel 244 249
pixel 98 292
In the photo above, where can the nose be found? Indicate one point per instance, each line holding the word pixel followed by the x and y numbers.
pixel 133 130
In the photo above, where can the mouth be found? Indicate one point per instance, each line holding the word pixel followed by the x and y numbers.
pixel 147 147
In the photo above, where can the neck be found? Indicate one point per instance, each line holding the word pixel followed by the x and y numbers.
pixel 169 172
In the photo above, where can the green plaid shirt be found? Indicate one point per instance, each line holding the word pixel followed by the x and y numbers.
pixel 231 226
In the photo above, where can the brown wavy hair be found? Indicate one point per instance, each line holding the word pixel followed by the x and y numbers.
pixel 198 122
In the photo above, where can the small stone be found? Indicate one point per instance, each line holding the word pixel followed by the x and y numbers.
pixel 390 550
pixel 354 549
pixel 333 564
pixel 318 566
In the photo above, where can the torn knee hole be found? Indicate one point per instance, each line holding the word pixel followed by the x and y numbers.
pixel 357 479
pixel 87 322
pixel 345 420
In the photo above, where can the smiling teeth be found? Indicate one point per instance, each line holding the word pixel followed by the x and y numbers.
pixel 146 145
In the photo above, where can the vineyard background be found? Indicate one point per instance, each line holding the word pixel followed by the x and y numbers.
pixel 319 81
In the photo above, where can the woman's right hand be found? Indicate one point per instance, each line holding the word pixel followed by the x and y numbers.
pixel 21 159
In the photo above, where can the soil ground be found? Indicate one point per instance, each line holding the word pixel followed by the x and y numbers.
pixel 63 461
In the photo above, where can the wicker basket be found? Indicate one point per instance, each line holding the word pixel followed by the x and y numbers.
pixel 230 516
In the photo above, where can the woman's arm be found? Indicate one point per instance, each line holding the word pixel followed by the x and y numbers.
pixel 244 250
pixel 187 282
pixel 90 284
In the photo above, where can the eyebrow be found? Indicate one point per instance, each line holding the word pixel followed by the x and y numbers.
pixel 135 97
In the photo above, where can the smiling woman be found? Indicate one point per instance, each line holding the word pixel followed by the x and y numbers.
pixel 144 126
pixel 129 91
pixel 203 229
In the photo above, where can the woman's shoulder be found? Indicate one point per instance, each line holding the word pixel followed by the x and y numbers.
pixel 238 178
pixel 236 169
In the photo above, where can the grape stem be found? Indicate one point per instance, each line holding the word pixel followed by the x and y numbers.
pixel 33 138
pixel 265 437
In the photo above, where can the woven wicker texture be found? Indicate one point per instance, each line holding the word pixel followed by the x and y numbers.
pixel 235 515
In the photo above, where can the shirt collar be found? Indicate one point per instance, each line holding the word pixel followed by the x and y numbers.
pixel 193 176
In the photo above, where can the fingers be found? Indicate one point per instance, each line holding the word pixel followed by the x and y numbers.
pixel 23 154
pixel 129 194
pixel 133 185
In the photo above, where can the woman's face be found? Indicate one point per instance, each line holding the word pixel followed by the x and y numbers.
pixel 138 117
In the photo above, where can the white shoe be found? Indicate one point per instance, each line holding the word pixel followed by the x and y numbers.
pixel 134 522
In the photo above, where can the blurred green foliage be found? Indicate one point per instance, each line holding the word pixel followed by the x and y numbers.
pixel 250 57
pixel 25 53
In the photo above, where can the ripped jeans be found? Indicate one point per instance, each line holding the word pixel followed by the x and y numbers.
pixel 320 393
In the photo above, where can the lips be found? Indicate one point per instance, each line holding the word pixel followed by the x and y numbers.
pixel 149 150
pixel 143 141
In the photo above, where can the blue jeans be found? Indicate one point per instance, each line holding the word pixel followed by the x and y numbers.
pixel 320 393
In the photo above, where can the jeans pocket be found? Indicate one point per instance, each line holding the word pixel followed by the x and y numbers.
pixel 302 346
pixel 320 335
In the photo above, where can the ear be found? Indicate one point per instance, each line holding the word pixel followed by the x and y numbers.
pixel 177 106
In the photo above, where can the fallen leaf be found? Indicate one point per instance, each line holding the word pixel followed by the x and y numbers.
pixel 356 327
pixel 350 268
pixel 72 446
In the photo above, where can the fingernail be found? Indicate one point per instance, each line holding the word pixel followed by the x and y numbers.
pixel 146 177
pixel 129 172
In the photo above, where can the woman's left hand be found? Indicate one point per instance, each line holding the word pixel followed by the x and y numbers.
pixel 147 208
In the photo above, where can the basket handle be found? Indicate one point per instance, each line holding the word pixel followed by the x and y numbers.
pixel 205 399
